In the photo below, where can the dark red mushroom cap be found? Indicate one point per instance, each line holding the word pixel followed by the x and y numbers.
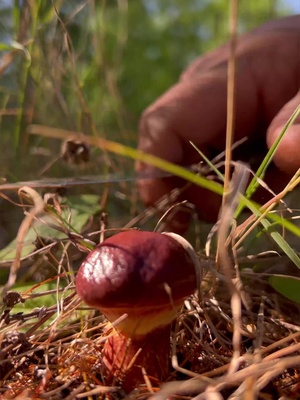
pixel 143 277
pixel 132 268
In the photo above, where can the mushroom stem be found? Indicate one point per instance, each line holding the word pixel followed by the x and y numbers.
pixel 124 357
pixel 144 276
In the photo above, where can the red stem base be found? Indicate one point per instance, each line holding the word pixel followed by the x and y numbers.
pixel 124 358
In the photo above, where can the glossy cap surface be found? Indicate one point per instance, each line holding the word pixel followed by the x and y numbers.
pixel 133 269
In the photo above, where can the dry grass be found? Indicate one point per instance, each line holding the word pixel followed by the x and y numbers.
pixel 61 357
pixel 241 340
pixel 238 340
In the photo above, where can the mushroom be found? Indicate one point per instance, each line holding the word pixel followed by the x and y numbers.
pixel 144 277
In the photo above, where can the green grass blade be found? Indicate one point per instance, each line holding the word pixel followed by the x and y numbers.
pixel 208 162
pixel 281 242
pixel 260 173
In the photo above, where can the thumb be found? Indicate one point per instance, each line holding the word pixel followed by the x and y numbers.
pixel 287 156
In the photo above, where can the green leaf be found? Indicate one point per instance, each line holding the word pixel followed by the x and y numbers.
pixel 85 204
pixel 281 242
pixel 42 296
pixel 46 300
pixel 260 173
pixel 8 253
pixel 78 213
pixel 288 286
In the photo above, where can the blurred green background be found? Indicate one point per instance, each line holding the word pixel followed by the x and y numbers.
pixel 77 64
pixel 92 66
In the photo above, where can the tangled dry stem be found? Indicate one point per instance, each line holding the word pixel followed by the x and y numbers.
pixel 55 352
pixel 239 339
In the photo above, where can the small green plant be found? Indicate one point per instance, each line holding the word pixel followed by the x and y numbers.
pixel 72 88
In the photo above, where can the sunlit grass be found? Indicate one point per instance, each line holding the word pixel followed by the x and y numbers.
pixel 75 82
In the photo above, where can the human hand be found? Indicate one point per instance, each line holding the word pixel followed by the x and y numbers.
pixel 267 92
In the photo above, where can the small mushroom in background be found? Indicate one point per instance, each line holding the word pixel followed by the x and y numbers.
pixel 145 277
